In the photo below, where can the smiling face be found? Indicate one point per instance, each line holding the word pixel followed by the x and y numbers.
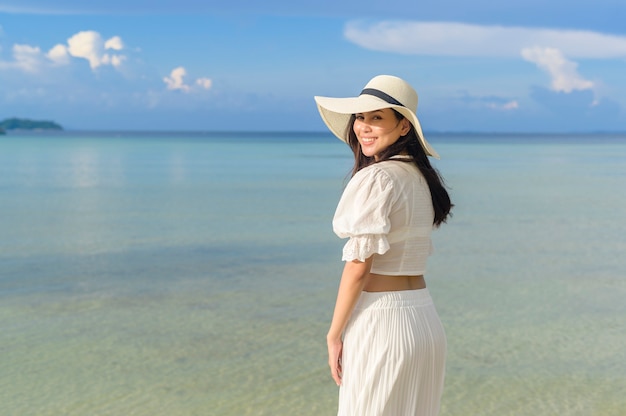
pixel 379 129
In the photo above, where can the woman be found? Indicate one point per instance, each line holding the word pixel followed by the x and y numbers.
pixel 386 344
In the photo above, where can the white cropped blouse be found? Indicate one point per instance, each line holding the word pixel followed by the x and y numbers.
pixel 386 211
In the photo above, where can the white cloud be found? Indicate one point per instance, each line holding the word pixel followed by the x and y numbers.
pixel 511 105
pixel 564 73
pixel 205 83
pixel 115 60
pixel 508 106
pixel 114 43
pixel 459 39
pixel 89 45
pixel 27 58
pixel 59 55
pixel 176 81
pixel 492 102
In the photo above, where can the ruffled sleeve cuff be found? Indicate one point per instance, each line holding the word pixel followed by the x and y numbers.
pixel 363 246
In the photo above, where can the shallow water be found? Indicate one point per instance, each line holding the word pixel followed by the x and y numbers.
pixel 181 274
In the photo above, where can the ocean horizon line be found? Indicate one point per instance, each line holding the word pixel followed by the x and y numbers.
pixel 22 132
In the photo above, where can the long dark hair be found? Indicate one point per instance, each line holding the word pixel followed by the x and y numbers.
pixel 408 144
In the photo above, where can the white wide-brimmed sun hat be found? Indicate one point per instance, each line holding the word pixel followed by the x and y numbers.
pixel 383 91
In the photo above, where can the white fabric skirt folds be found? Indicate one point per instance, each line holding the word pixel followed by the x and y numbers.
pixel 394 353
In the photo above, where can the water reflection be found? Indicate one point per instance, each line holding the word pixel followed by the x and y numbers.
pixel 177 168
pixel 84 169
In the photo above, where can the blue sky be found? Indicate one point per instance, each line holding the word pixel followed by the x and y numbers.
pixel 518 66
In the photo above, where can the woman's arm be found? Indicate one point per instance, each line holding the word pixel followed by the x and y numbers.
pixel 353 280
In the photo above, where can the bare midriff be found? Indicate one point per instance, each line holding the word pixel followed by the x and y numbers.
pixel 384 283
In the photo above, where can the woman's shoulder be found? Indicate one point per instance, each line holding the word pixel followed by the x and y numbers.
pixel 391 170
pixel 376 172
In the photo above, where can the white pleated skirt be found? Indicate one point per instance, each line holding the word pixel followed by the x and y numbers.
pixel 394 353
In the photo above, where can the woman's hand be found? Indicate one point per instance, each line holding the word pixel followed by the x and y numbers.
pixel 353 279
pixel 335 350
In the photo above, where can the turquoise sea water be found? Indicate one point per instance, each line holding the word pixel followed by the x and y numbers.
pixel 195 274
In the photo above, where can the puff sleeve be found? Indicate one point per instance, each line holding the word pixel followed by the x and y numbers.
pixel 363 214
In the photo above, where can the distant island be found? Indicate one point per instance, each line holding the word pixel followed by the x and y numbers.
pixel 26 124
